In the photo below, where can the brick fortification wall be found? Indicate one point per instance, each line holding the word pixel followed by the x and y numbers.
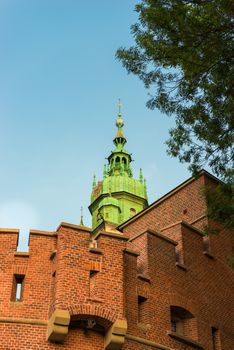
pixel 158 283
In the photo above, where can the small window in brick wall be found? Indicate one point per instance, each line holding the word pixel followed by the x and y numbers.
pixel 183 322
pixel 216 344
pixel 92 281
pixel 142 309
pixel 177 325
pixel 17 288
pixel 174 325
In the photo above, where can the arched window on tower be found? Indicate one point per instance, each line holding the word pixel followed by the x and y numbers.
pixel 124 161
pixel 117 162
pixel 132 212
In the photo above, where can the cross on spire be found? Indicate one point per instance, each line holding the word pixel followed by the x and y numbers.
pixel 120 106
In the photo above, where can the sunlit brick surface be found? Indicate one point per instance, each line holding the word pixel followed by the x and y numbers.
pixel 165 263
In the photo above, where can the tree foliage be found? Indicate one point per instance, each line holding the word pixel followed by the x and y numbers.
pixel 220 202
pixel 184 54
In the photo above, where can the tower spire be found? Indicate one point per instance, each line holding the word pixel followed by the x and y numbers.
pixel 81 217
pixel 141 176
pixel 104 171
pixel 94 180
pixel 119 139
pixel 118 193
pixel 120 106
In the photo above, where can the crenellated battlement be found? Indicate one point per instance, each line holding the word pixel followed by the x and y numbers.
pixel 181 241
pixel 129 285
pixel 177 269
pixel 185 272
pixel 65 270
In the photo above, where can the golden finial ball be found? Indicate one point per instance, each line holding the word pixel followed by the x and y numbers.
pixel 119 122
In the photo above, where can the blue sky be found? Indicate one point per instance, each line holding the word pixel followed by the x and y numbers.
pixel 59 90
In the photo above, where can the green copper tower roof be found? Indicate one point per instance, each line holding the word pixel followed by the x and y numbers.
pixel 118 196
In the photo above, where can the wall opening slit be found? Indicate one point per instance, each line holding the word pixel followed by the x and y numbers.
pixel 142 310
pixel 92 282
pixel 18 288
pixel 216 344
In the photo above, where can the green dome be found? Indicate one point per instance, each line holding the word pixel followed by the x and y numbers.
pixel 109 201
pixel 124 183
pixel 118 196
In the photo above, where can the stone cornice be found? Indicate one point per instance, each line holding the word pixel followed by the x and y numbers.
pixel 21 320
pixel 9 230
pixel 43 233
pixel 186 224
pixel 147 342
pixel 95 250
pixel 103 195
pixel 143 277
pixel 185 340
pixel 111 235
pixel 154 233
pixel 131 251
pixel 74 227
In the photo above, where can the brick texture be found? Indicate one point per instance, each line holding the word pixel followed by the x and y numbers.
pixel 159 268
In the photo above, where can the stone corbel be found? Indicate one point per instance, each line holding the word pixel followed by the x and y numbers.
pixel 57 327
pixel 115 336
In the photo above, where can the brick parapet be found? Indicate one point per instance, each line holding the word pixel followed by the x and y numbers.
pixel 110 277
pixel 72 256
pixel 201 282
pixel 130 288
pixel 57 269
pixel 8 240
pixel 88 276
pixel 34 265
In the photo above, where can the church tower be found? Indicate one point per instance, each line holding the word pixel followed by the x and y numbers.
pixel 117 197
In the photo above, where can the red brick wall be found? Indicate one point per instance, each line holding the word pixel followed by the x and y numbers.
pixel 37 270
pixel 61 280
pixel 27 337
pixel 203 284
pixel 205 288
pixel 186 204
pixel 105 284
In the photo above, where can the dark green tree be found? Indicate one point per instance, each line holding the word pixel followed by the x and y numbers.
pixel 220 202
pixel 184 54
